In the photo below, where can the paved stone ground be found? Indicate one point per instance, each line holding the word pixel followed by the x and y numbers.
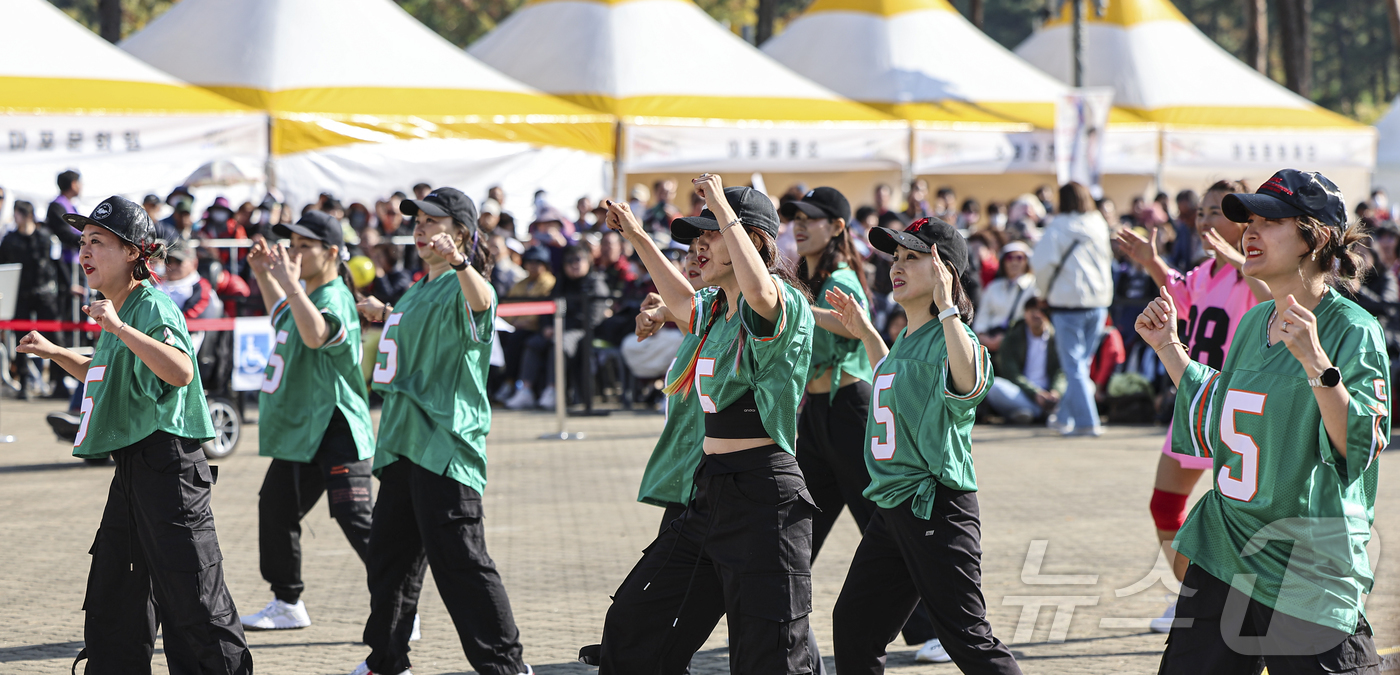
pixel 564 528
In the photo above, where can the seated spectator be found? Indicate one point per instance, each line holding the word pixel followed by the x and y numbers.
pixel 191 292
pixel 391 280
pixel 490 217
pixel 39 253
pixel 580 287
pixel 538 283
pixel 1107 358
pixel 507 270
pixel 180 225
pixel 982 248
pixel 612 261
pixel 970 217
pixel 1029 382
pixel 1003 299
pixel 219 223
pixel 658 216
pixel 1024 217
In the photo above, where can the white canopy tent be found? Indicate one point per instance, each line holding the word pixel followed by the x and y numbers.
pixel 70 100
pixel 691 96
pixel 365 100
pixel 1219 117
pixel 976 108
pixel 1387 153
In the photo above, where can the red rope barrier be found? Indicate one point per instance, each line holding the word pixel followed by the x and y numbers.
pixel 195 325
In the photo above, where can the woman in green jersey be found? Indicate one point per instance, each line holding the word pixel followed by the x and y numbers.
pixel 144 406
pixel 431 370
pixel 313 415
pixel 924 540
pixel 1294 421
pixel 746 535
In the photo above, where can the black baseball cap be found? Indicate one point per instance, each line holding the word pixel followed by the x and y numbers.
pixel 443 202
pixel 124 218
pixel 752 207
pixel 317 225
pixel 535 254
pixel 924 235
pixel 819 203
pixel 1288 194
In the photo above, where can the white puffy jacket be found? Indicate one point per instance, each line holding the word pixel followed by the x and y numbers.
pixel 1086 280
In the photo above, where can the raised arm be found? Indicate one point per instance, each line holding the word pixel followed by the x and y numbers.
pixel 171 365
pixel 476 288
pixel 676 292
pixel 759 290
pixel 1157 326
pixel 285 271
pixel 260 258
pixel 856 321
pixel 67 359
pixel 1144 252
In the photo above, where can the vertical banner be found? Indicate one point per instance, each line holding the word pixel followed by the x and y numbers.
pixel 1081 121
pixel 252 347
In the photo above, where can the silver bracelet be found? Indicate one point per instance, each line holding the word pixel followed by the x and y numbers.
pixel 731 223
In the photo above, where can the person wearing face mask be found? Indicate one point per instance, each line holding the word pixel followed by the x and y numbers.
pixel 143 405
pixel 1292 423
pixel 1213 298
pixel 1002 300
pixel 924 540
pixel 431 367
pixel 315 422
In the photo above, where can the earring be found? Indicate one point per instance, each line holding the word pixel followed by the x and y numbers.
pixel 1314 256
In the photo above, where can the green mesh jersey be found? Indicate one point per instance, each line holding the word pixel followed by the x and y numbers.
pixel 124 401
pixel 668 475
pixel 302 387
pixel 829 350
pixel 920 430
pixel 431 370
pixel 1289 517
pixel 747 352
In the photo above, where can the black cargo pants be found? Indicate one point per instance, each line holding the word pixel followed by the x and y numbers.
pixel 742 548
pixel 291 489
pixel 156 561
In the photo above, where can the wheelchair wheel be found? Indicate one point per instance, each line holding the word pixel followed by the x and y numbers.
pixel 227 428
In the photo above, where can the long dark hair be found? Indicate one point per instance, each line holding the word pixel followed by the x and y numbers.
pixel 476 248
pixel 1340 257
pixel 960 299
pixel 145 256
pixel 839 249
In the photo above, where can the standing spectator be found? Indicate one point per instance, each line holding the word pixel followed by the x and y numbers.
pixel 1109 211
pixel 884 199
pixel 982 251
pixel 490 217
pixel 40 284
pixel 219 223
pixel 497 193
pixel 1029 383
pixel 507 270
pixel 996 216
pixel 1005 296
pixel 1188 250
pixel 659 216
pixel 421 190
pixel 152 205
pixel 4 227
pixel 1073 261
pixel 388 218
pixel 181 221
pixel 586 221
pixel 70 186
pixel 970 216
pixel 391 281
pixel 945 205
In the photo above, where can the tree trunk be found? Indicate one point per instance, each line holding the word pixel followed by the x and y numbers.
pixel 110 15
pixel 1256 48
pixel 1297 48
pixel 975 13
pixel 767 11
pixel 1392 7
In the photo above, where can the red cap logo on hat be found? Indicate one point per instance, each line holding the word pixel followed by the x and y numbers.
pixel 914 226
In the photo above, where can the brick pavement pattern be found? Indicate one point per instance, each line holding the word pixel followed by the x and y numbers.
pixel 1065 525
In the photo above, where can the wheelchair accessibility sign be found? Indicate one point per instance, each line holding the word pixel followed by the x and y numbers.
pixel 252 347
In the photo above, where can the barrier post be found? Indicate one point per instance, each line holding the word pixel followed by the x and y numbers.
pixel 561 391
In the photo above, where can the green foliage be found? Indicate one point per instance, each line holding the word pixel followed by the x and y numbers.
pixel 461 22
pixel 135 13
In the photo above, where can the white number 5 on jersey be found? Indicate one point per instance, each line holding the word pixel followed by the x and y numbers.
pixel 883 417
pixel 384 373
pixel 274 380
pixel 1244 487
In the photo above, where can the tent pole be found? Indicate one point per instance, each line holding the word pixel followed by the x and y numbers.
pixel 1078 42
pixel 909 163
pixel 269 168
pixel 619 174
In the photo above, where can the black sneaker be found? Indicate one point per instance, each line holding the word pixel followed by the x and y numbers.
pixel 590 655
pixel 64 425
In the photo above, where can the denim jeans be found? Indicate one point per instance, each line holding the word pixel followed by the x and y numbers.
pixel 1006 399
pixel 1077 333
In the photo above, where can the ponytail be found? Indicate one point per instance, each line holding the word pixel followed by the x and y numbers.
pixel 152 252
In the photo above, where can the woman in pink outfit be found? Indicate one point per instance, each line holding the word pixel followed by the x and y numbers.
pixel 1211 300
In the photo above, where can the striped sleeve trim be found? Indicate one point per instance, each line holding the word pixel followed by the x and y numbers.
pixel 340 335
pixel 1379 438
pixel 984 365
pixel 280 310
pixel 1201 409
pixel 783 301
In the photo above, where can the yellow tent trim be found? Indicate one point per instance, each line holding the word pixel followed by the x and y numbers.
pixel 879 7
pixel 1124 13
pixel 74 96
pixel 308 119
pixel 1246 117
pixel 731 109
pixel 1011 116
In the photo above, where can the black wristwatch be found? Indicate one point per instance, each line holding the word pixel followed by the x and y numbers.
pixel 462 267
pixel 1329 378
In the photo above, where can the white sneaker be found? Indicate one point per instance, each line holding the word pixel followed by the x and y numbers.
pixel 547 398
pixel 278 615
pixel 528 670
pixel 521 400
pixel 417 634
pixel 363 669
pixel 932 652
pixel 1163 624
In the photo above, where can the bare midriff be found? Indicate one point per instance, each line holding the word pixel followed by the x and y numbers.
pixel 821 384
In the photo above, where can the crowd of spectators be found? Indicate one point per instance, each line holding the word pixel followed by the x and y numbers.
pixel 1055 294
